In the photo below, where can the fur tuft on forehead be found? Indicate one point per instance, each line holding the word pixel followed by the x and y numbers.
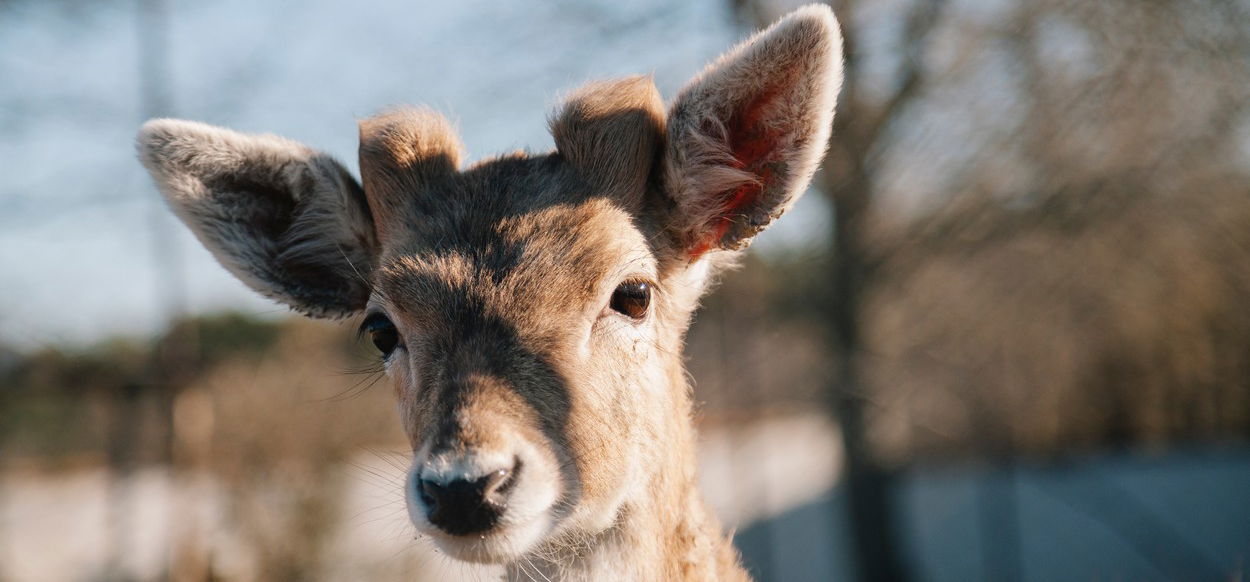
pixel 404 151
pixel 410 139
pixel 612 132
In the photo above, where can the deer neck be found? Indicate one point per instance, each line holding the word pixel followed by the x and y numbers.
pixel 663 532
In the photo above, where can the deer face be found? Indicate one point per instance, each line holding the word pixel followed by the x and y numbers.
pixel 522 330
pixel 529 309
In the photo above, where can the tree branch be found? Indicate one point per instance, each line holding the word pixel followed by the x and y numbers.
pixel 917 31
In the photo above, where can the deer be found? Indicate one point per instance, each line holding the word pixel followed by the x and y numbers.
pixel 530 309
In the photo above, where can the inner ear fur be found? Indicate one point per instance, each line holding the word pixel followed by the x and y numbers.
pixel 288 221
pixel 611 132
pixel 746 135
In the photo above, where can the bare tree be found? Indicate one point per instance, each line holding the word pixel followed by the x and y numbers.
pixel 1037 236
pixel 849 179
pixel 1078 283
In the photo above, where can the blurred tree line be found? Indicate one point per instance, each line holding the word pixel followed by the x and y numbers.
pixel 1039 239
pixel 233 406
pixel 57 399
pixel 1041 233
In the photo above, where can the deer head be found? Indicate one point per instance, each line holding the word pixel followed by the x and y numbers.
pixel 530 308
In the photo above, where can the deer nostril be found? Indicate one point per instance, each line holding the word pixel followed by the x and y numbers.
pixel 430 492
pixel 465 506
pixel 500 483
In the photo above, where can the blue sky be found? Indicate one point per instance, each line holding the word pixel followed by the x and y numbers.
pixel 79 218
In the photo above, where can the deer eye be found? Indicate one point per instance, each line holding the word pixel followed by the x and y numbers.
pixel 631 299
pixel 381 332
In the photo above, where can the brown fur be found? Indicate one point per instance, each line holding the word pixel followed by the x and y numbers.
pixel 498 279
pixel 611 132
pixel 403 151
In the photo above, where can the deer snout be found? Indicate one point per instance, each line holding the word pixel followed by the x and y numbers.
pixel 482 489
pixel 467 505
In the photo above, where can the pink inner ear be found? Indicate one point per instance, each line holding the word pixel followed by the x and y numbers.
pixel 751 144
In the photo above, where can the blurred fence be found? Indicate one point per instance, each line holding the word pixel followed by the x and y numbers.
pixel 284 470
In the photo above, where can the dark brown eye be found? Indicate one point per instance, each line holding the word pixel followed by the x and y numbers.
pixel 381 332
pixel 631 299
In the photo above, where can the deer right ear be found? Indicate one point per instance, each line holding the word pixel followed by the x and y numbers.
pixel 289 222
pixel 745 137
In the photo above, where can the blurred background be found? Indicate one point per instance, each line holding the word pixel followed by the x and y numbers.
pixel 1006 336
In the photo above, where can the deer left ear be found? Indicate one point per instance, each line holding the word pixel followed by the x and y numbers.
pixel 746 135
pixel 288 221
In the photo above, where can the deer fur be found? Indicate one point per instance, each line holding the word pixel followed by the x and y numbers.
pixel 498 278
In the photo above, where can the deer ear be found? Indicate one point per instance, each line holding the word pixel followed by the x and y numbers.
pixel 289 222
pixel 746 135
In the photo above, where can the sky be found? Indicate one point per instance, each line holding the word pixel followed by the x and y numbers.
pixel 87 249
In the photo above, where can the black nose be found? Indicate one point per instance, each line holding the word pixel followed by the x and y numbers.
pixel 463 506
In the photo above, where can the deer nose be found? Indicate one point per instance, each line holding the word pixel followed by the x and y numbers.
pixel 467 506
